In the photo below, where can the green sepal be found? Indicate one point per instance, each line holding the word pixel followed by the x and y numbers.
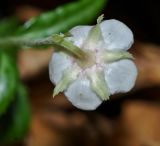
pixel 69 75
pixel 68 46
pixel 95 34
pixel 99 85
pixel 111 56
pixel 100 19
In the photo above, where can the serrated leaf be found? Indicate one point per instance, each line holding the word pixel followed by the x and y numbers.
pixel 62 18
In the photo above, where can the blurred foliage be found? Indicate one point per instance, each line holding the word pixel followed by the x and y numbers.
pixel 15 121
pixel 8 80
pixel 8 26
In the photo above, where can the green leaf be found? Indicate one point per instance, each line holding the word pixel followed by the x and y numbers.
pixel 62 18
pixel 17 119
pixel 8 27
pixel 8 80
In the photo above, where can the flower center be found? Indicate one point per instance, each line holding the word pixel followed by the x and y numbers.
pixel 88 61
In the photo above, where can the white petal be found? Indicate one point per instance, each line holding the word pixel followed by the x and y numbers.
pixel 120 76
pixel 81 95
pixel 117 35
pixel 59 62
pixel 80 34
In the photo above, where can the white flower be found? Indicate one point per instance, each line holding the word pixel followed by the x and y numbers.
pixel 106 68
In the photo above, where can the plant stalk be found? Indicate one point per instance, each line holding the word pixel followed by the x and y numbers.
pixel 52 41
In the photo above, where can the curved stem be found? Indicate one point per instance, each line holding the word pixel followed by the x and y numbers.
pixel 52 41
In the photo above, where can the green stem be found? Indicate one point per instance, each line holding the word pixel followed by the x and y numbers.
pixel 20 42
pixel 56 41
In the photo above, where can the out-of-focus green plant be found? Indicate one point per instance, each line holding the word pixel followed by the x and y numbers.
pixel 15 121
pixel 36 33
pixel 8 80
